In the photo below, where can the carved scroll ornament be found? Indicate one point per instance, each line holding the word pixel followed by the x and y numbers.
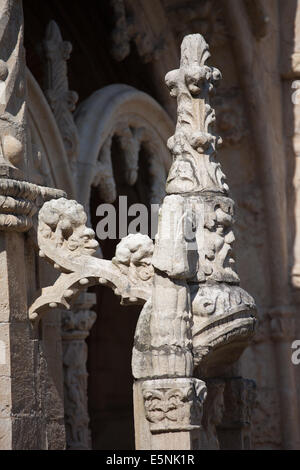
pixel 66 242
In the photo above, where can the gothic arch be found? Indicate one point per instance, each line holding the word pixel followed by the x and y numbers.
pixel 133 116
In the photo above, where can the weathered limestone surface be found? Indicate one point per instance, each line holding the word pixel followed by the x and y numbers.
pixel 12 91
pixel 197 316
pixel 31 416
pixel 275 382
pixel 62 100
pixel 192 249
pixel 76 325
pixel 212 414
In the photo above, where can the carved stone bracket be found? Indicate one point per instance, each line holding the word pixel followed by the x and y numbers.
pixel 68 245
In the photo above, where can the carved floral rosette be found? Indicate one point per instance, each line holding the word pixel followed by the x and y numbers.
pixel 173 404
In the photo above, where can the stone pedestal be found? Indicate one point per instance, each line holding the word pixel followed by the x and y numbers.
pixel 168 413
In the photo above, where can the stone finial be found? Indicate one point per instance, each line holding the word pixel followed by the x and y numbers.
pixel 194 143
pixel 196 306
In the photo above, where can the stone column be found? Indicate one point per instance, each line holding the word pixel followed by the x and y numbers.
pixel 76 325
pixel 23 421
pixel 274 153
pixel 19 410
pixel 283 332
pixel 285 324
pixel 234 430
pixel 212 413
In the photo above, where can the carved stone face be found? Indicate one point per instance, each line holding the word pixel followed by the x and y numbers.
pixel 218 241
pixel 82 240
pixel 181 176
pixel 63 221
pixel 134 257
pixel 223 317
pixel 222 247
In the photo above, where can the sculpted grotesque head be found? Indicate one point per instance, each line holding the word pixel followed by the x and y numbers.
pixel 134 257
pixel 181 173
pixel 223 323
pixel 63 222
